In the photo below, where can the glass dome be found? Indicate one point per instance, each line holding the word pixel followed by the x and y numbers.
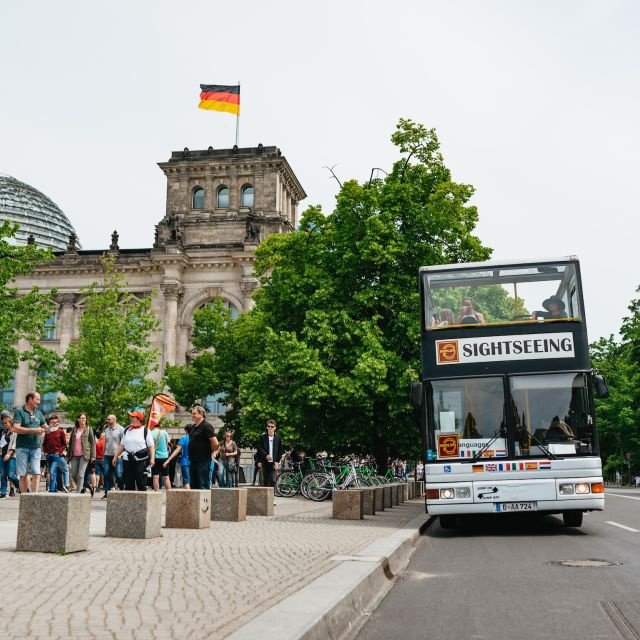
pixel 36 214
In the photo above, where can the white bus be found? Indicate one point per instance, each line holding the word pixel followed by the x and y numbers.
pixel 506 391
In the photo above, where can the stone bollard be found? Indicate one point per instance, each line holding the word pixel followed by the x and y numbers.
pixel 388 502
pixel 379 491
pixel 368 501
pixel 348 505
pixel 134 514
pixel 405 491
pixel 53 522
pixel 420 489
pixel 259 501
pixel 412 490
pixel 394 495
pixel 188 509
pixel 229 505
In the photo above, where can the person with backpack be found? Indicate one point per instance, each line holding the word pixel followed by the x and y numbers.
pixel 137 446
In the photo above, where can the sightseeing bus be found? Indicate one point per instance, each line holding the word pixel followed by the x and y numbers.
pixel 506 396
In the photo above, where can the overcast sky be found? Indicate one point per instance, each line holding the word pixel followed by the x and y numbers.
pixel 536 104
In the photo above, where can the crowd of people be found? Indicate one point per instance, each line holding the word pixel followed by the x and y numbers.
pixel 112 457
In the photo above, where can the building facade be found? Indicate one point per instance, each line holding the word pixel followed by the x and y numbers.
pixel 220 205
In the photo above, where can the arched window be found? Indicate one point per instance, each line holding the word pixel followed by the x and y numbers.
pixel 49 329
pixel 197 198
pixel 222 200
pixel 225 304
pixel 247 196
pixel 215 404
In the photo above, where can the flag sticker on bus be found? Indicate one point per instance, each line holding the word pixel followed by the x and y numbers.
pixel 502 348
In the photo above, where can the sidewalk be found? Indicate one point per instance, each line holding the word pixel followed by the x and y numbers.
pixel 187 584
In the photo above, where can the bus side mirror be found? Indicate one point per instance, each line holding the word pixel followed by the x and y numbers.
pixel 416 394
pixel 602 390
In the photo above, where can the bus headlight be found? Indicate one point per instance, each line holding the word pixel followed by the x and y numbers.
pixel 446 494
pixel 463 492
pixel 583 487
pixel 566 489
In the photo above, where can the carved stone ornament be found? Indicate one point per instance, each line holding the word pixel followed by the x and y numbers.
pixel 114 242
pixel 171 290
pixel 248 287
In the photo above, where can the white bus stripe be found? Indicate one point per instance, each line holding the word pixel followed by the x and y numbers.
pixel 622 526
pixel 622 495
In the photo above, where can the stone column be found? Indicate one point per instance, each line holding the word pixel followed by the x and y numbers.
pixel 22 386
pixel 66 301
pixel 248 286
pixel 171 292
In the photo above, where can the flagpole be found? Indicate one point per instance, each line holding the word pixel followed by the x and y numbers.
pixel 238 116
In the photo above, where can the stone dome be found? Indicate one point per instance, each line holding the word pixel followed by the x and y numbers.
pixel 36 214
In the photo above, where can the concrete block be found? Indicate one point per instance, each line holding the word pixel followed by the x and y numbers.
pixel 420 489
pixel 388 502
pixel 259 501
pixel 368 501
pixel 53 522
pixel 134 514
pixel 348 505
pixel 412 490
pixel 379 498
pixel 229 505
pixel 188 509
pixel 394 495
pixel 404 493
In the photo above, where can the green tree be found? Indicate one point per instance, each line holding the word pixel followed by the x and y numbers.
pixel 23 316
pixel 333 341
pixel 619 414
pixel 106 370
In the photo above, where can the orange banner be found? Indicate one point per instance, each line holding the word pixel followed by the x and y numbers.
pixel 160 405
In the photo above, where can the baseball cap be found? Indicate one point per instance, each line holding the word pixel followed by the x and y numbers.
pixel 136 413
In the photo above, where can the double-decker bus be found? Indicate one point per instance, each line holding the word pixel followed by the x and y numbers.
pixel 506 398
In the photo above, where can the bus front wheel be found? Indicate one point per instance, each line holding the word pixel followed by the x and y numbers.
pixel 572 518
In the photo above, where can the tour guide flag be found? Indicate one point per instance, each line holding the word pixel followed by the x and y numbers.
pixel 220 97
pixel 160 405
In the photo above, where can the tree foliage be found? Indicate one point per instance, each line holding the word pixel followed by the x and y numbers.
pixel 106 370
pixel 334 339
pixel 619 414
pixel 23 316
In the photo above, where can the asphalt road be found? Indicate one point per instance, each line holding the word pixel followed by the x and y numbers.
pixel 495 578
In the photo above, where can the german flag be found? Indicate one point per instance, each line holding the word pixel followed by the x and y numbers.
pixel 220 97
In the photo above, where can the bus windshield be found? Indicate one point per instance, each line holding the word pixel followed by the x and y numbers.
pixel 542 292
pixel 539 413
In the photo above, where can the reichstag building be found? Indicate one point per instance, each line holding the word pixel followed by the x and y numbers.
pixel 220 204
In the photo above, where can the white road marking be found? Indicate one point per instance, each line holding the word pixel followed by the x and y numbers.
pixel 622 495
pixel 622 526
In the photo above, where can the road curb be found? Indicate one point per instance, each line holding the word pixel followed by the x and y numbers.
pixel 336 604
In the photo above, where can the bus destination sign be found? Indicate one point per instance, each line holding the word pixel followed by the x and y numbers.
pixel 500 348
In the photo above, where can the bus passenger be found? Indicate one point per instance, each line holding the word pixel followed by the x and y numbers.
pixel 554 309
pixel 468 315
pixel 559 430
pixel 445 318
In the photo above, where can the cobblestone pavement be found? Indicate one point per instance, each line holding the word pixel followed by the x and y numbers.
pixel 187 584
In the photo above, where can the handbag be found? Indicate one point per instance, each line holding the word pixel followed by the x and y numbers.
pixel 233 465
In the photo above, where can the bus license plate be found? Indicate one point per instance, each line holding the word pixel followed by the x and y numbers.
pixel 516 506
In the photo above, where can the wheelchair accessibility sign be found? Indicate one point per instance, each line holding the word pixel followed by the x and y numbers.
pixel 447 468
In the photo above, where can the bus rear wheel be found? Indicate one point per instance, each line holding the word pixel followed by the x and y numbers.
pixel 448 522
pixel 572 518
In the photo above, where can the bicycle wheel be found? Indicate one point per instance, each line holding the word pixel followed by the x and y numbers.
pixel 318 487
pixel 287 484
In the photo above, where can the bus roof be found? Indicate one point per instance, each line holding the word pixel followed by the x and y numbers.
pixel 497 263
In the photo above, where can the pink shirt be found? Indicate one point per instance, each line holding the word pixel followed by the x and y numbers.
pixel 77 444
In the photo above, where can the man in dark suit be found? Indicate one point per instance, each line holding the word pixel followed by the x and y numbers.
pixel 270 450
